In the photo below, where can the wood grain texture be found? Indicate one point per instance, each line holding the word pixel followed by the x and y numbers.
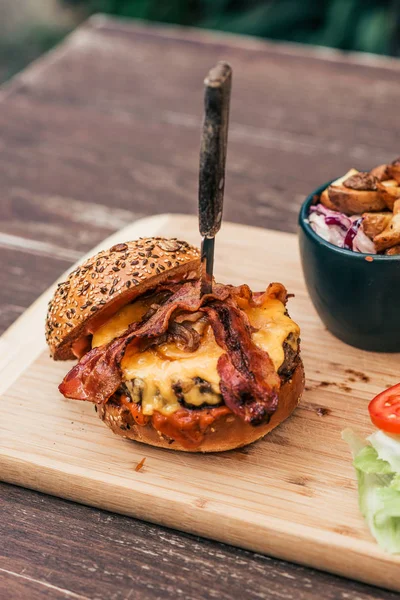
pixel 294 489
pixel 89 116
pixel 110 556
pixel 88 143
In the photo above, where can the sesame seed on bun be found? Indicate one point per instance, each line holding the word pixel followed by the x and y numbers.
pixel 106 282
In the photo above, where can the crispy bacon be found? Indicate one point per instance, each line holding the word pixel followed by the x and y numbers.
pixel 97 375
pixel 249 383
pixel 274 290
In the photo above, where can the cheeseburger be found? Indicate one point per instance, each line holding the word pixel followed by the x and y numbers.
pixel 165 366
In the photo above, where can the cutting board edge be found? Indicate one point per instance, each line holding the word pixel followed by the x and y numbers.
pixel 374 567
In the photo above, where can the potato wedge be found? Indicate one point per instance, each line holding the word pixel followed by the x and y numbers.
pixel 355 201
pixel 324 199
pixel 375 223
pixel 390 236
pixel 394 170
pixel 389 191
pixel 393 251
pixel 396 207
pixel 389 183
pixel 381 172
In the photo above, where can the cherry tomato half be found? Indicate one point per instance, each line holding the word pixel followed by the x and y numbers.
pixel 384 410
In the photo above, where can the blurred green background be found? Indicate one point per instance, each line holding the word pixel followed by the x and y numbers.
pixel 30 27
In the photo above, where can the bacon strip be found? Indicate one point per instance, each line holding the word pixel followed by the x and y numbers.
pixel 249 383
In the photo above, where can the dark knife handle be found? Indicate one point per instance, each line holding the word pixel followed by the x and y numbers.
pixel 213 148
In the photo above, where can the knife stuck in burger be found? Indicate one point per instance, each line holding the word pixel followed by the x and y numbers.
pixel 168 356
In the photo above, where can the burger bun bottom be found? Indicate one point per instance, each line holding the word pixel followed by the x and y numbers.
pixel 227 433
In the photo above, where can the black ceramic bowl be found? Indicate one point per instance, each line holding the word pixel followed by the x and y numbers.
pixel 357 298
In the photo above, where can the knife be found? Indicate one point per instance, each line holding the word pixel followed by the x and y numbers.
pixel 212 165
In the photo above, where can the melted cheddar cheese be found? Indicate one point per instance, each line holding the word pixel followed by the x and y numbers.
pixel 161 368
pixel 119 323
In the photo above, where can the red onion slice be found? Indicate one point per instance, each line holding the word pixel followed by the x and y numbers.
pixel 351 234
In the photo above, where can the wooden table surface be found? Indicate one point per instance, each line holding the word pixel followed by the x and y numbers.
pixel 103 130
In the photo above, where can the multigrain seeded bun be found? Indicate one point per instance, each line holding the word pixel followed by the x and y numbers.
pixel 227 433
pixel 102 284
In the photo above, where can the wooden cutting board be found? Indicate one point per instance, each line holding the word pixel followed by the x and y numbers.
pixel 292 495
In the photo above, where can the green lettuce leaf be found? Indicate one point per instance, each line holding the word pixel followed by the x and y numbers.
pixel 378 488
pixel 395 483
pixel 367 461
pixel 387 447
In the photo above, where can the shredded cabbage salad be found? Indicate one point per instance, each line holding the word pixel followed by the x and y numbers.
pixel 340 230
pixel 377 464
